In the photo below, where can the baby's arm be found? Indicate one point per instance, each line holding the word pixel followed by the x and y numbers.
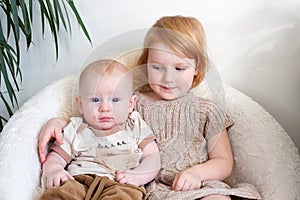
pixel 53 169
pixel 218 167
pixel 52 129
pixel 146 170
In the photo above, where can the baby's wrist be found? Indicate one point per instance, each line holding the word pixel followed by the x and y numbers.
pixel 49 172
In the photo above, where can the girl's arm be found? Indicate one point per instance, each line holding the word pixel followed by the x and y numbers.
pixel 218 167
pixel 220 163
pixel 52 129
pixel 146 170
pixel 53 170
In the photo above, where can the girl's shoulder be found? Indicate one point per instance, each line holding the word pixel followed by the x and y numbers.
pixel 199 104
pixel 148 98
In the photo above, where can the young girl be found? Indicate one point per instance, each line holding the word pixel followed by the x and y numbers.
pixel 191 132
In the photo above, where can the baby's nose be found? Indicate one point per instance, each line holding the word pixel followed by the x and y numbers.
pixel 104 107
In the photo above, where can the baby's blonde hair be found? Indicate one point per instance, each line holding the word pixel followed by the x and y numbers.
pixel 105 67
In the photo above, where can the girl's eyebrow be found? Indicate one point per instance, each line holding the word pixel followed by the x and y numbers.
pixel 175 64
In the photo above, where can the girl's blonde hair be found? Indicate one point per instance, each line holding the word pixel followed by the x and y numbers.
pixel 183 35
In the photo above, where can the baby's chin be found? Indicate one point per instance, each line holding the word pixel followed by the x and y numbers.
pixel 110 128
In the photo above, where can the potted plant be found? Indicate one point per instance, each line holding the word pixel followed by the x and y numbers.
pixel 17 21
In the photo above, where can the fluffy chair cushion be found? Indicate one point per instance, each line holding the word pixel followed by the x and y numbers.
pixel 264 154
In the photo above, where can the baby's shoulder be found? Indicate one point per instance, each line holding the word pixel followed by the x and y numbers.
pixel 75 126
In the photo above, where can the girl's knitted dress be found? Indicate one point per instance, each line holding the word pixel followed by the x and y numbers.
pixel 182 127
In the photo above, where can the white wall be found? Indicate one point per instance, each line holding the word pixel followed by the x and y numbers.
pixel 254 43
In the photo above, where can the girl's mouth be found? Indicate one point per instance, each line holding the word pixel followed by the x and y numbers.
pixel 167 88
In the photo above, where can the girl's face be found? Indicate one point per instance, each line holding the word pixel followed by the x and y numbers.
pixel 169 76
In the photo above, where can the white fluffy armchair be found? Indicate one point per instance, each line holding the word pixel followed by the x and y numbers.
pixel 264 154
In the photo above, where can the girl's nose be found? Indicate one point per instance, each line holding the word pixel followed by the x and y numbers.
pixel 168 75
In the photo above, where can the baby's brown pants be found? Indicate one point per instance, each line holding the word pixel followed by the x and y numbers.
pixel 92 187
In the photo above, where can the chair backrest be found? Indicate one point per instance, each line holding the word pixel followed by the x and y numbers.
pixel 264 154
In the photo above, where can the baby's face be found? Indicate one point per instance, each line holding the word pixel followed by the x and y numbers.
pixel 106 101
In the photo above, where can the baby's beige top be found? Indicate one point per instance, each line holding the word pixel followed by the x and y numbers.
pixel 103 155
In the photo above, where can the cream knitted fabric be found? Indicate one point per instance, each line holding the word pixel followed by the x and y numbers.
pixel 182 127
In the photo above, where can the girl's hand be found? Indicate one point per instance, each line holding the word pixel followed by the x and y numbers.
pixel 128 177
pixel 186 180
pixel 56 177
pixel 52 129
pixel 146 170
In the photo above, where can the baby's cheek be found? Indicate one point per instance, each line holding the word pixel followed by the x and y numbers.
pixel 120 113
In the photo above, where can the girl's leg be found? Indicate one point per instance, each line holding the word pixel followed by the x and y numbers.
pixel 216 197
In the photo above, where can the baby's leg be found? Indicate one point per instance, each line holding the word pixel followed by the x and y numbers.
pixel 216 197
pixel 115 190
pixel 70 189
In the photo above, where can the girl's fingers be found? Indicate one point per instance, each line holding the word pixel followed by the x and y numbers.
pixel 43 140
pixel 58 134
pixel 177 184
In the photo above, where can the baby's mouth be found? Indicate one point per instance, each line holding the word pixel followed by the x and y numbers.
pixel 104 119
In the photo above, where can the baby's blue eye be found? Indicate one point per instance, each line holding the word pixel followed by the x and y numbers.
pixel 158 67
pixel 95 99
pixel 115 99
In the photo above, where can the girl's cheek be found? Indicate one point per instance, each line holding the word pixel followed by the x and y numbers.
pixel 150 75
pixel 153 79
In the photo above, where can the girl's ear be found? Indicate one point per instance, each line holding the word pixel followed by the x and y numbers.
pixel 79 104
pixel 132 103
pixel 196 72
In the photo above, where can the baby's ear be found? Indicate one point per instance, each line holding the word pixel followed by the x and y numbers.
pixel 132 103
pixel 79 104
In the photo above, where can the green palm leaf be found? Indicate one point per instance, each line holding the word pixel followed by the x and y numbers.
pixel 19 16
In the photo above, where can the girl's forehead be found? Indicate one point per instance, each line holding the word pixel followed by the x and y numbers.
pixel 163 55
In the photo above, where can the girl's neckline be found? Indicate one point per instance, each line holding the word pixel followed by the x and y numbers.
pixel 139 92
pixel 143 99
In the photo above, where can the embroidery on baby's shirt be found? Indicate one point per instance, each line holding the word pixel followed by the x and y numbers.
pixel 112 145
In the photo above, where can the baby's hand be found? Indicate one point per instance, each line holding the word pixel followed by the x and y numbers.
pixel 186 180
pixel 56 177
pixel 128 177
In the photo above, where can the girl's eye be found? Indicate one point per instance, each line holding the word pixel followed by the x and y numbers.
pixel 95 99
pixel 180 68
pixel 115 99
